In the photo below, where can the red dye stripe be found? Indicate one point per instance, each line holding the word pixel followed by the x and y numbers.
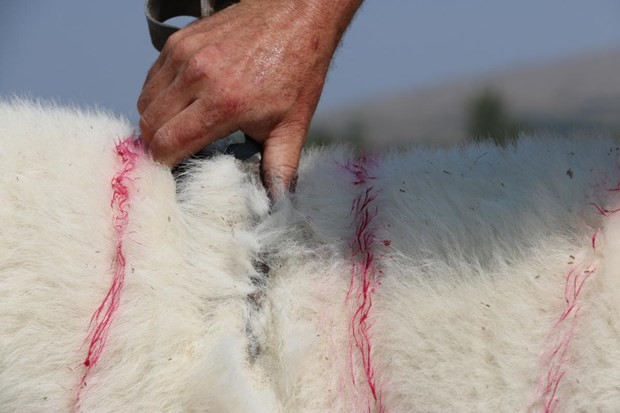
pixel 359 167
pixel 564 331
pixel 364 277
pixel 594 238
pixel 604 211
pixel 128 151
pixel 564 328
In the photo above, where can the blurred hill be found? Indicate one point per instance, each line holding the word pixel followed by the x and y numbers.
pixel 572 94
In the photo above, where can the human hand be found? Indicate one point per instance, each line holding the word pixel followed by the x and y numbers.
pixel 256 66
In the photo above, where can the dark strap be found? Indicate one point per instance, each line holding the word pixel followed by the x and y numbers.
pixel 157 12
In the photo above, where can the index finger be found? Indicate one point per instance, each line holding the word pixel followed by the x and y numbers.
pixel 188 132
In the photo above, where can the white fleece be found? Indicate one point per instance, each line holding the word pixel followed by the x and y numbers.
pixel 492 277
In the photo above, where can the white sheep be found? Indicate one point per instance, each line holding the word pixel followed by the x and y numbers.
pixel 472 279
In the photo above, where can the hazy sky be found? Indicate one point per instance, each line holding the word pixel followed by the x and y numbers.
pixel 99 52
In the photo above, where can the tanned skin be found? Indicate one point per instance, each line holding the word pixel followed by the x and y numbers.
pixel 257 66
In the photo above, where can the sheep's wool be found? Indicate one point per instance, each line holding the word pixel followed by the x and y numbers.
pixel 472 279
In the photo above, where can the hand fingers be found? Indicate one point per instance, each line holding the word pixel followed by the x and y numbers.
pixel 280 159
pixel 148 90
pixel 170 102
pixel 177 51
pixel 188 132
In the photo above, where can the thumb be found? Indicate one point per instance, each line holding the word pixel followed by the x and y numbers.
pixel 280 159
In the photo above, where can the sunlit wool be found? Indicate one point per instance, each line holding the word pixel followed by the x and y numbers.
pixel 465 279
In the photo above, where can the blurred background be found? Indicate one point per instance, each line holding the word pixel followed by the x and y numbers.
pixel 408 71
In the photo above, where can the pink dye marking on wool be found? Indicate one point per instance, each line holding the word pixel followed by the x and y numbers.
pixel 360 167
pixel 604 211
pixel 128 152
pixel 564 331
pixel 564 328
pixel 594 238
pixel 364 277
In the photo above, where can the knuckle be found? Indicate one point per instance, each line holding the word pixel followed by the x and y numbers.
pixel 211 52
pixel 200 62
pixel 180 51
pixel 202 106
pixel 195 68
pixel 172 40
pixel 165 147
pixel 161 137
pixel 162 142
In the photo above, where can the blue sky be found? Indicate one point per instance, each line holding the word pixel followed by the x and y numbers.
pixel 97 53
